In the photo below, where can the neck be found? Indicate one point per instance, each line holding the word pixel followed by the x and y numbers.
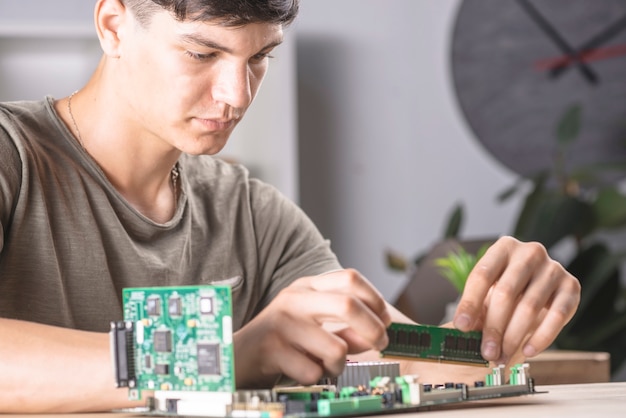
pixel 141 170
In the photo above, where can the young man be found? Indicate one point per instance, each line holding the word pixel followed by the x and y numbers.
pixel 114 187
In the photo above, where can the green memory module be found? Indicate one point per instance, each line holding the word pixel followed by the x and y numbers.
pixel 429 342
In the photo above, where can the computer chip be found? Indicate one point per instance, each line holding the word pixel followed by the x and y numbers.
pixel 175 306
pixel 162 369
pixel 208 357
pixel 162 341
pixel 153 306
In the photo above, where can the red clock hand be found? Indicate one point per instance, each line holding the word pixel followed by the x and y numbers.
pixel 590 48
pixel 588 55
pixel 544 25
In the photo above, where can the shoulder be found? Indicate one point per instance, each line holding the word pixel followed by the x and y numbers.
pixel 27 123
pixel 25 113
pixel 16 118
pixel 14 121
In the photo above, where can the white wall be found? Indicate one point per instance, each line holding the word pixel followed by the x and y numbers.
pixel 384 151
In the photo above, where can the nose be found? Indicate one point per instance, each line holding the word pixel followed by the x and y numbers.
pixel 232 86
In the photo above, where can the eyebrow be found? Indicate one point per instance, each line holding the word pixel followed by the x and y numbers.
pixel 199 40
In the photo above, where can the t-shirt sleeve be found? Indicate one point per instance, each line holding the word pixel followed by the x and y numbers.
pixel 10 175
pixel 289 243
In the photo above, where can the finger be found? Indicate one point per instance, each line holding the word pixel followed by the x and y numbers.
pixel 530 308
pixel 326 349
pixel 300 367
pixel 561 311
pixel 324 307
pixel 526 273
pixel 323 348
pixel 352 282
pixel 479 282
pixel 355 343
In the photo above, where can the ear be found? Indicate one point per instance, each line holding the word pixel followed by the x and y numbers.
pixel 110 16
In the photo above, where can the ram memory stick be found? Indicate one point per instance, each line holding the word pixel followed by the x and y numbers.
pixel 428 342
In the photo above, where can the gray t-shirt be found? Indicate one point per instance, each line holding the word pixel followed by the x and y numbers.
pixel 70 242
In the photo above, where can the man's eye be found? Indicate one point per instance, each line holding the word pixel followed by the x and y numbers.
pixel 199 57
pixel 261 56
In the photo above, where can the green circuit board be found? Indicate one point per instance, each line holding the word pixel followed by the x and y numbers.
pixel 178 339
pixel 177 343
pixel 428 342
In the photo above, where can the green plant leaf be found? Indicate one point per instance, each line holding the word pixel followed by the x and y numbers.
pixel 457 266
pixel 604 330
pixel 419 258
pixel 604 166
pixel 595 266
pixel 569 125
pixel 594 175
pixel 507 193
pixel 395 261
pixel 526 215
pixel 455 222
pixel 597 269
pixel 610 208
pixel 549 216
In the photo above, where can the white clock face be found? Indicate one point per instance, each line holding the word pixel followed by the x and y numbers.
pixel 518 65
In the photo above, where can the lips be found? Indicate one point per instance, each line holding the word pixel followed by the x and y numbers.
pixel 217 124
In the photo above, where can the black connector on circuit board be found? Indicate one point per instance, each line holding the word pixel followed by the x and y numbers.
pixel 122 336
pixel 428 342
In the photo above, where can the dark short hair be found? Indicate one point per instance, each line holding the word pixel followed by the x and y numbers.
pixel 228 12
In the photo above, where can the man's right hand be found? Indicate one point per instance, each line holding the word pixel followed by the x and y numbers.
pixel 307 331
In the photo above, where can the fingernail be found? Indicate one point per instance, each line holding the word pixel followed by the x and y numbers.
pixel 463 322
pixel 529 350
pixel 490 350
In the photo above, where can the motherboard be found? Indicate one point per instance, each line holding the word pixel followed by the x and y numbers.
pixel 176 345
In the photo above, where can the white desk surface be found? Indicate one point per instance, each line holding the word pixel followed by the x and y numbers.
pixel 571 401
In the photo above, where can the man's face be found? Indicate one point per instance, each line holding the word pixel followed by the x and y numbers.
pixel 187 84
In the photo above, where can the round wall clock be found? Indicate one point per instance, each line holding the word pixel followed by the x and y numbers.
pixel 518 65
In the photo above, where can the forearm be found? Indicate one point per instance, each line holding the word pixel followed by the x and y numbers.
pixel 51 369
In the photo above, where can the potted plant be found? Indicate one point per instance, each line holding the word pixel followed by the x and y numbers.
pixel 573 205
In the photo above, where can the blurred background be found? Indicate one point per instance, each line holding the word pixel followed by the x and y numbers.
pixel 385 152
pixel 379 117
pixel 357 119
